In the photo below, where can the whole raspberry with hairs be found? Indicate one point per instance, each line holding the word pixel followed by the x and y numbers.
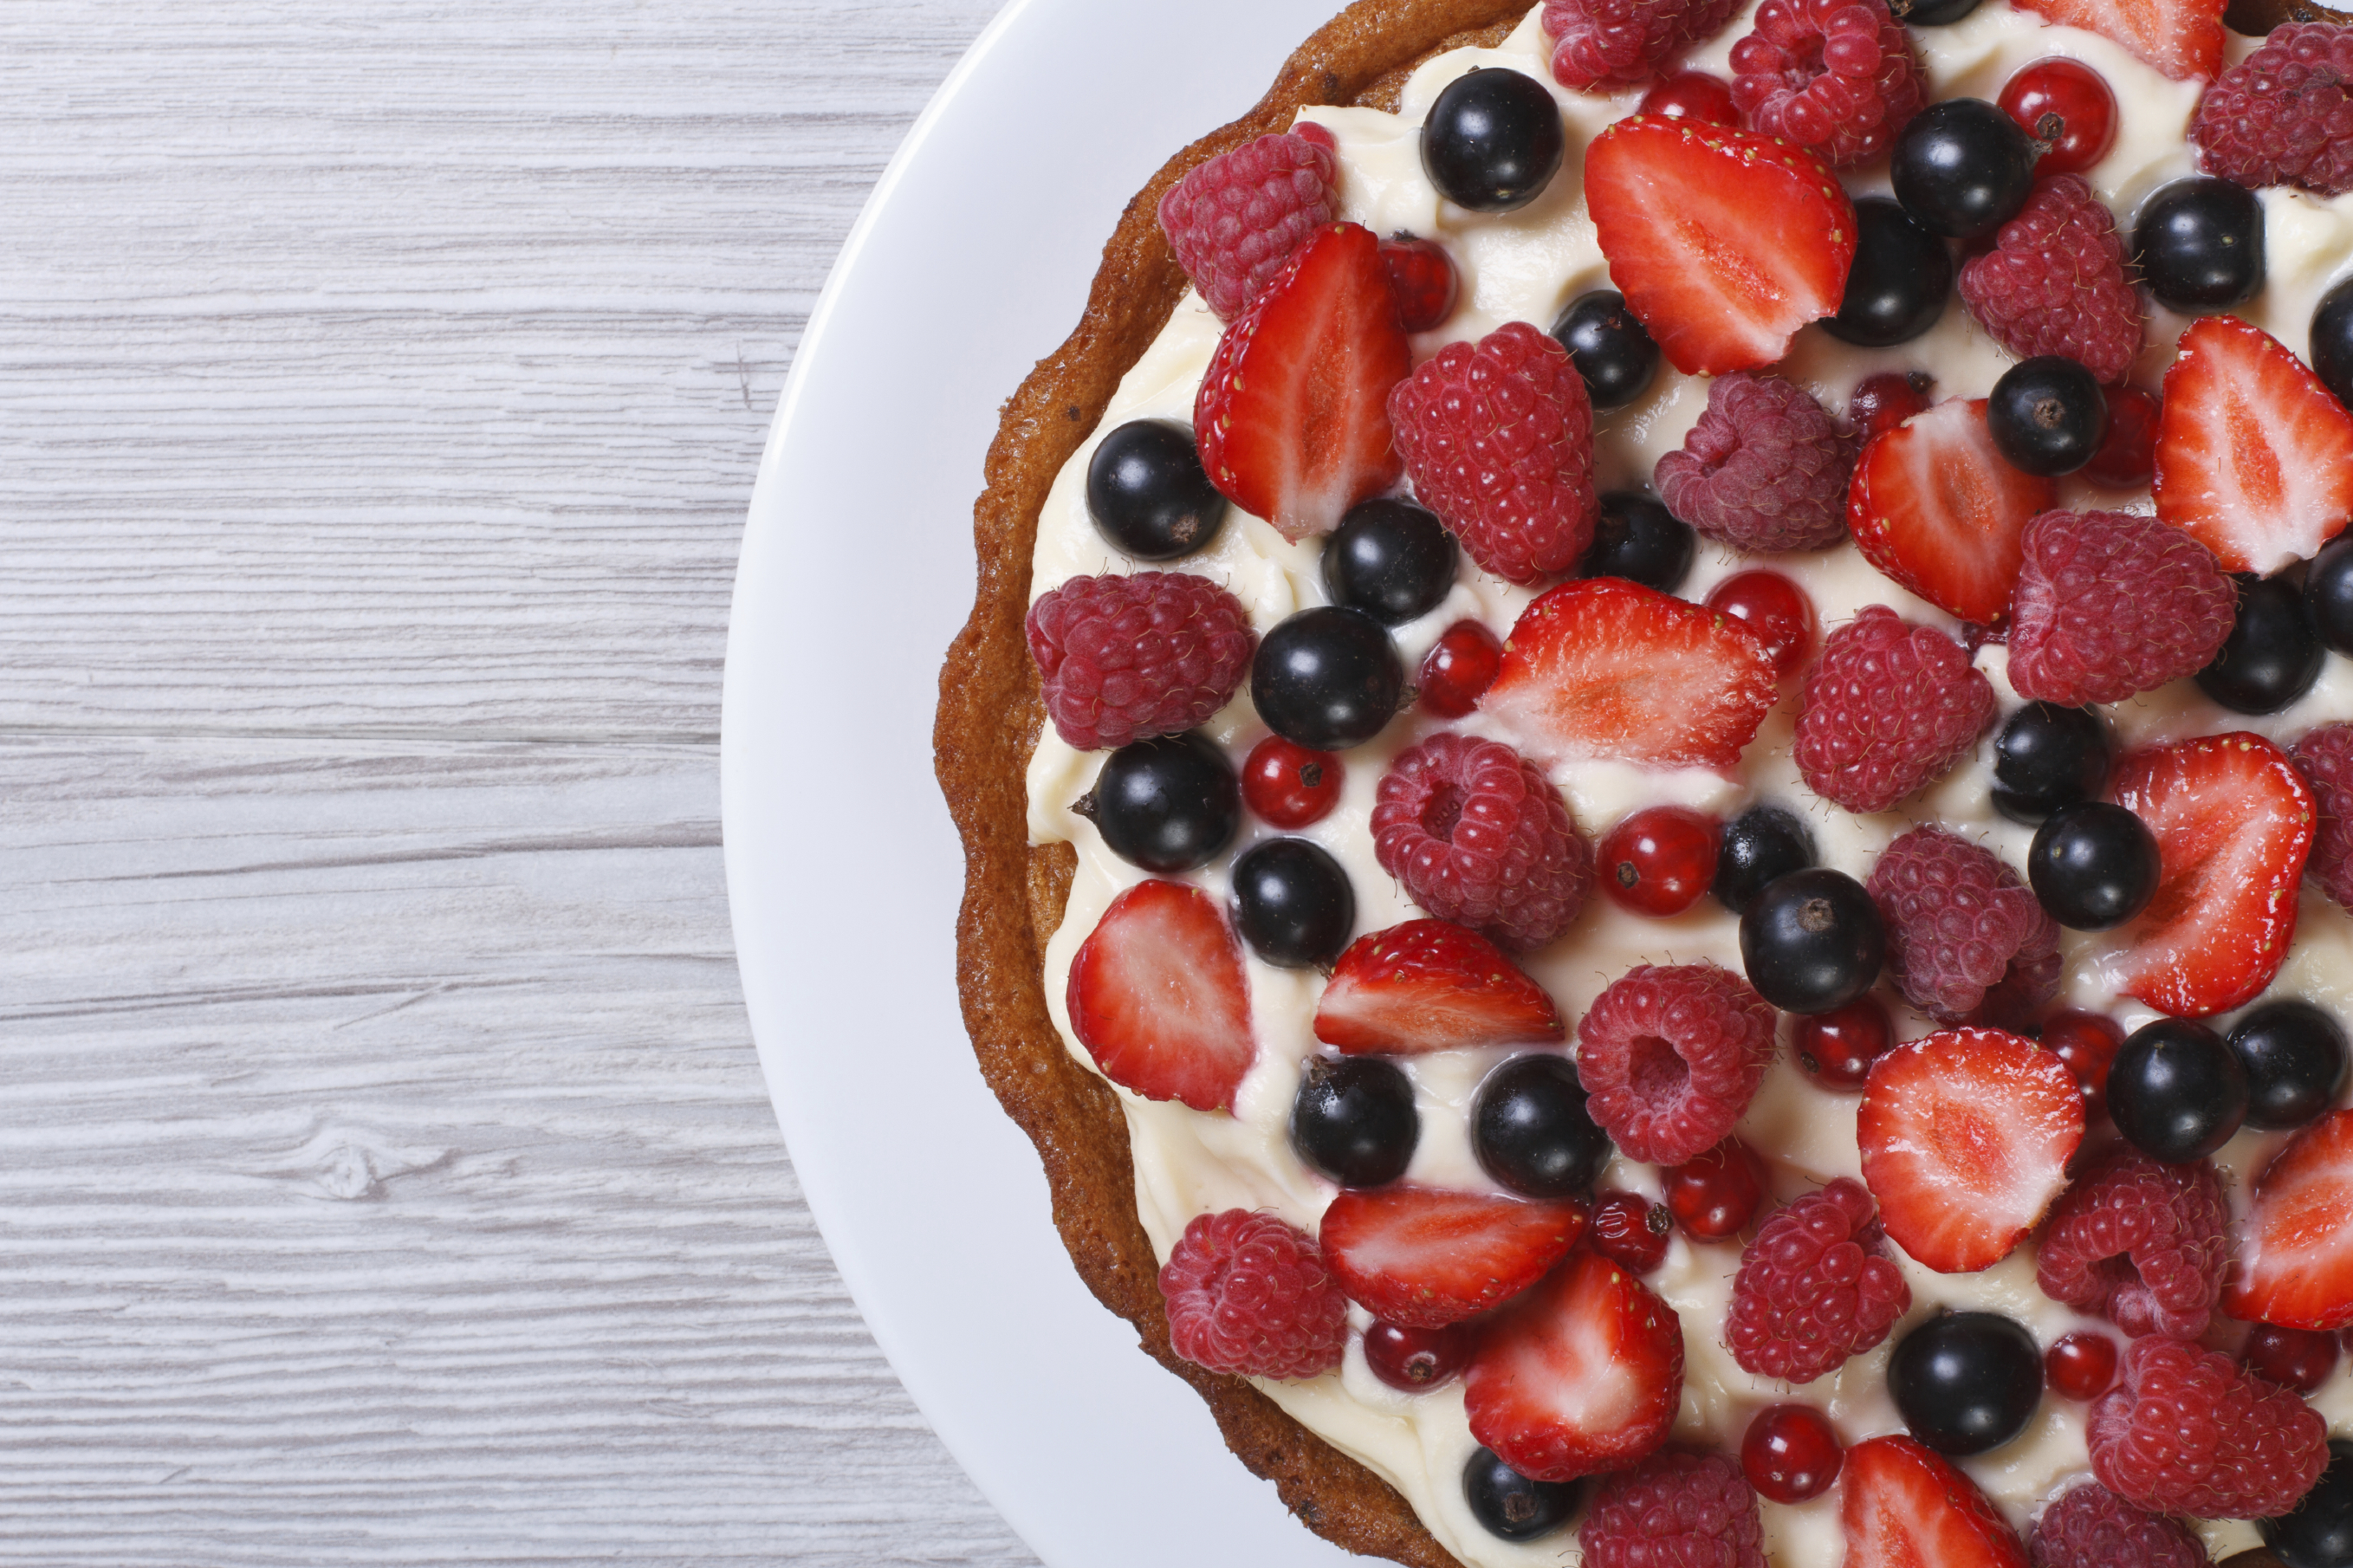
pixel 1670 1057
pixel 2324 757
pixel 1765 467
pixel 2284 115
pixel 2142 1245
pixel 2109 605
pixel 1958 922
pixel 1675 1510
pixel 2192 1432
pixel 1248 1293
pixel 1498 437
pixel 2055 282
pixel 2092 1526
pixel 1617 43
pixel 1479 836
pixel 1835 77
pixel 1815 1286
pixel 1236 219
pixel 1123 658
pixel 1888 708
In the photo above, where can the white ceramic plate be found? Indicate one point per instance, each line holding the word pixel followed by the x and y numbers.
pixel 970 263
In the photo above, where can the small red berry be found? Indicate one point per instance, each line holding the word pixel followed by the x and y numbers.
pixel 1287 786
pixel 1460 668
pixel 2088 1043
pixel 1717 1193
pixel 1836 1048
pixel 1776 610
pixel 2077 98
pixel 2298 1359
pixel 1880 403
pixel 1629 1231
pixel 1658 861
pixel 2081 1366
pixel 1423 278
pixel 1792 1453
pixel 1416 1359
pixel 2127 456
pixel 1691 95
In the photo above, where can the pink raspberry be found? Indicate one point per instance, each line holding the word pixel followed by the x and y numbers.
pixel 1248 1293
pixel 2109 605
pixel 1617 43
pixel 1498 439
pixel 1765 467
pixel 1815 1286
pixel 2092 1526
pixel 2284 115
pixel 2055 282
pixel 1958 922
pixel 2140 1244
pixel 1479 836
pixel 2325 758
pixel 2191 1432
pixel 1236 219
pixel 1671 1056
pixel 1835 77
pixel 1127 658
pixel 1675 1510
pixel 1888 708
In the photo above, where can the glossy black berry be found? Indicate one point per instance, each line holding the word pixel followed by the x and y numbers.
pixel 2047 415
pixel 1897 286
pixel 1611 349
pixel 1148 493
pixel 1933 13
pixel 2328 592
pixel 1327 677
pixel 2200 244
pixel 1530 1131
pixel 2272 654
pixel 2319 1533
pixel 1354 1120
pixel 1812 940
pixel 1292 903
pixel 2295 1057
pixel 1510 1506
pixel 2046 757
pixel 1966 1382
pixel 1391 559
pixel 1762 844
pixel 2176 1091
pixel 1962 167
pixel 2093 864
pixel 1169 803
pixel 2332 342
pixel 1493 141
pixel 1637 539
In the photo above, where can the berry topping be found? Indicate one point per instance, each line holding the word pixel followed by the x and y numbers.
pixel 1966 1382
pixel 1122 658
pixel 1289 786
pixel 1236 219
pixel 1458 669
pixel 1760 845
pixel 1834 77
pixel 1900 1505
pixel 1248 1293
pixel 1957 922
pixel 1765 467
pixel 2294 1058
pixel 2175 1090
pixel 2092 865
pixel 1416 1359
pixel 1962 167
pixel 1427 986
pixel 2081 1366
pixel 2272 654
pixel 2055 282
pixel 1511 1507
pixel 2191 1433
pixel 2200 245
pixel 2068 104
pixel 2127 456
pixel 2183 39
pixel 1353 1121
pixel 1426 1259
pixel 1659 860
pixel 1422 277
pixel 1390 559
pixel 1815 1286
pixel 1675 1508
pixel 2282 116
pixel 2047 756
pixel 1898 285
pixel 1880 403
pixel 1493 141
pixel 2091 1527
pixel 1639 540
pixel 1691 95
pixel 1158 998
pixel 1888 708
pixel 1936 507
pixel 1167 804
pixel 2298 1359
pixel 2295 1252
pixel 1812 940
pixel 2325 758
pixel 1530 1130
pixel 2332 340
pixel 1617 43
pixel 2110 605
pixel 1480 837
pixel 1327 679
pixel 1836 1048
pixel 1791 1453
pixel 1715 1197
pixel 1672 1057
pixel 1630 1231
pixel 1611 349
pixel 2047 416
pixel 2140 1244
pixel 1776 610
pixel 1146 494
pixel 1293 904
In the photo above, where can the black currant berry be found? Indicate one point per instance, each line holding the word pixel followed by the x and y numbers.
pixel 1896 288
pixel 2046 757
pixel 1611 349
pixel 1931 13
pixel 1762 844
pixel 1962 167
pixel 1169 803
pixel 1328 678
pixel 1812 940
pixel 2200 244
pixel 1148 493
pixel 1510 1506
pixel 2329 591
pixel 2093 864
pixel 1966 1382
pixel 2294 1058
pixel 1391 559
pixel 2332 342
pixel 2176 1091
pixel 2047 415
pixel 2272 654
pixel 1493 141
pixel 1354 1120
pixel 1292 903
pixel 1640 540
pixel 2319 1533
pixel 1530 1130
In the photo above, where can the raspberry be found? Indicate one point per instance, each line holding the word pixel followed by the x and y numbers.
pixel 1835 77
pixel 1248 1293
pixel 2110 605
pixel 1498 439
pixel 1617 43
pixel 1480 837
pixel 1671 1056
pixel 2325 758
pixel 1630 1231
pixel 1676 1509
pixel 2140 1244
pixel 2092 1526
pixel 1236 219
pixel 1815 1286
pixel 2191 1433
pixel 1888 708
pixel 2282 116
pixel 1764 468
pixel 2055 282
pixel 1958 922
pixel 1127 658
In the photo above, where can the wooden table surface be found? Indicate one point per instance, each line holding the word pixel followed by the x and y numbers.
pixel 386 1173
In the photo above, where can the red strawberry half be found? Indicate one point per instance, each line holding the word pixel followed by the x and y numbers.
pixel 2255 457
pixel 2296 1253
pixel 1901 1505
pixel 2233 822
pixel 1431 985
pixel 1933 505
pixel 2183 39
pixel 1724 242
pixel 1159 998
pixel 1605 668
pixel 1966 1137
pixel 1424 1259
pixel 1580 1375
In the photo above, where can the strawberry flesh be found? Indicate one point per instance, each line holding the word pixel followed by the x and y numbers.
pixel 2183 39
pixel 2295 1254
pixel 1159 998
pixel 1424 1259
pixel 1934 507
pixel 1901 1505
pixel 1431 985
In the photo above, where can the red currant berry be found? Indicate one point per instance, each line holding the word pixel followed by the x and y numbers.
pixel 1460 666
pixel 1717 1193
pixel 1792 1453
pixel 2088 1043
pixel 1658 861
pixel 1836 1048
pixel 1776 610
pixel 1287 786
pixel 1630 1232
pixel 1416 1358
pixel 1691 95
pixel 1421 278
pixel 1880 403
pixel 2127 455
pixel 2296 1359
pixel 2081 1366
pixel 2066 103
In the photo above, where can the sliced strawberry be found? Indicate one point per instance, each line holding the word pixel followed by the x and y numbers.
pixel 1724 242
pixel 2254 458
pixel 1431 985
pixel 1294 415
pixel 1933 505
pixel 1966 1137
pixel 1159 999
pixel 2233 822
pixel 2183 39
pixel 1424 1259
pixel 1901 1505
pixel 1580 1375
pixel 1605 668
pixel 2296 1249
